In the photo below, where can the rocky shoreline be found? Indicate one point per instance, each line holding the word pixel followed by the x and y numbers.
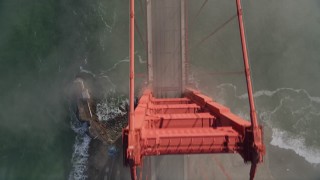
pixel 105 148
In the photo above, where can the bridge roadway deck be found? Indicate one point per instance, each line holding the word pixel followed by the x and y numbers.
pixel 166 47
pixel 166 59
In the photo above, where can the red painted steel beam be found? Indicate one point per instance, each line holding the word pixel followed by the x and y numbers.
pixel 189 141
pixel 131 52
pixel 173 108
pixel 131 149
pixel 187 120
pixel 194 124
pixel 171 101
pixel 226 118
pixel 256 131
pixel 253 114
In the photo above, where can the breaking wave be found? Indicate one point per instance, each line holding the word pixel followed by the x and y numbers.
pixel 111 108
pixel 80 153
pixel 292 114
pixel 285 140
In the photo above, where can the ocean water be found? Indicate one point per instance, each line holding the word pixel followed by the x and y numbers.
pixel 44 44
pixel 291 114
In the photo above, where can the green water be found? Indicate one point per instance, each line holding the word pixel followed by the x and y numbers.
pixel 43 44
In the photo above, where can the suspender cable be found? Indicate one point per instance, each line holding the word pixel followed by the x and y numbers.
pixel 140 35
pixel 199 11
pixel 141 9
pixel 214 32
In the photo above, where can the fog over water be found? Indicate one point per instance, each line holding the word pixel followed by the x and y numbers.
pixel 44 44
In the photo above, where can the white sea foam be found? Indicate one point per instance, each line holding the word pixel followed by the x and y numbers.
pixel 80 151
pixel 86 71
pixel 302 116
pixel 270 93
pixel 111 108
pixel 125 60
pixel 80 158
pixel 289 141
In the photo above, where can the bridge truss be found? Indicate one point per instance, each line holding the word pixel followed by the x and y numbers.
pixel 172 118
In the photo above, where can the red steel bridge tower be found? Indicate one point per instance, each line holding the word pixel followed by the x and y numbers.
pixel 172 118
